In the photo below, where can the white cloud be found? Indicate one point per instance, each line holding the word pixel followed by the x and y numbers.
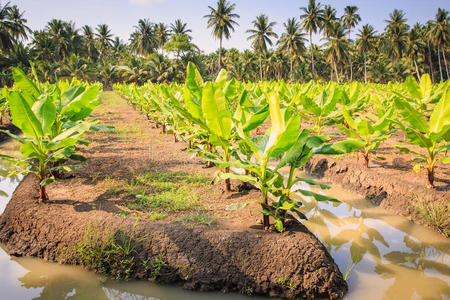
pixel 145 2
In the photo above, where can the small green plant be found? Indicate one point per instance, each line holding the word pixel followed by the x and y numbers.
pixel 284 281
pixel 432 136
pixel 111 253
pixel 152 267
pixel 436 214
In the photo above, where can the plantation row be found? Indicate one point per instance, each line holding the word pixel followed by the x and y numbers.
pixel 222 122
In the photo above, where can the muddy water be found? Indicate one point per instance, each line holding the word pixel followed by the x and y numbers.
pixel 383 256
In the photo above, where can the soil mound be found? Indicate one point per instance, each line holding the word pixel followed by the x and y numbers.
pixel 290 265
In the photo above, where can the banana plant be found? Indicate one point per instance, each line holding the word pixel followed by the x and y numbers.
pixel 370 133
pixel 51 125
pixel 432 135
pixel 320 107
pixel 422 94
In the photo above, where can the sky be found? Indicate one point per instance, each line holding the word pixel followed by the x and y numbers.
pixel 123 15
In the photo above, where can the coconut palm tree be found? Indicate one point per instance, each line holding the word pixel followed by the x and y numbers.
pixel 161 34
pixel 142 40
pixel 329 18
pixel 292 40
pixel 43 46
pixel 220 19
pixel 440 36
pixel 261 36
pixel 312 20
pixel 396 34
pixel 89 42
pixel 178 27
pixel 56 30
pixel 351 18
pixel 20 29
pixel 366 41
pixel 104 37
pixel 415 46
pixel 337 47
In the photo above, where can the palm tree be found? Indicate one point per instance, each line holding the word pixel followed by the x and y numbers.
pixel 396 35
pixel 161 34
pixel 312 20
pixel 43 45
pixel 337 47
pixel 440 36
pixel 178 27
pixel 56 30
pixel 89 41
pixel 351 19
pixel 292 40
pixel 221 20
pixel 104 37
pixel 142 39
pixel 329 18
pixel 261 36
pixel 366 41
pixel 20 29
pixel 415 46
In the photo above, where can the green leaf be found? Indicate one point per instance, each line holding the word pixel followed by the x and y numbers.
pixel 278 225
pixel 407 150
pixel 45 111
pixel 340 147
pixel 194 81
pixel 23 117
pixel 316 196
pixel 440 117
pixel 215 111
pixel 23 83
pixel 445 160
pixel 313 182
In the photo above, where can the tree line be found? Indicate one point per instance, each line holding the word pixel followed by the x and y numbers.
pixel 160 52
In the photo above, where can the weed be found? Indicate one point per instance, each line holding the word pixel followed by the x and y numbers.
pixel 247 290
pixel 436 214
pixel 153 265
pixel 284 281
pixel 198 218
pixel 111 254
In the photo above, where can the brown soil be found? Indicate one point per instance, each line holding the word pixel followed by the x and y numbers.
pixel 233 254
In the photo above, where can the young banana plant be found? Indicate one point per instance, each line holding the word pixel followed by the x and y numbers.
pixel 51 125
pixel 320 107
pixel 432 135
pixel 370 133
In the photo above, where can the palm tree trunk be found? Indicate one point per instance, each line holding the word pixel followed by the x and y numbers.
pixel 220 53
pixel 365 67
pixel 260 67
pixel 439 60
pixel 445 63
pixel 430 62
pixel 312 55
pixel 417 70
pixel 336 71
pixel 350 56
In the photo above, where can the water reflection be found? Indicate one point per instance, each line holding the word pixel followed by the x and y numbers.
pixel 404 265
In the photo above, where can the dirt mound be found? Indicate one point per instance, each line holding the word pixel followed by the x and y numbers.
pixel 291 265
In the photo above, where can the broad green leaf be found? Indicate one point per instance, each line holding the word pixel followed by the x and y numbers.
pixel 238 206
pixel 215 111
pixel 316 196
pixel 23 83
pixel 23 117
pixel 194 81
pixel 45 112
pixel 340 147
pixel 440 117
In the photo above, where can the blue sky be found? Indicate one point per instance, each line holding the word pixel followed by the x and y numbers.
pixel 122 15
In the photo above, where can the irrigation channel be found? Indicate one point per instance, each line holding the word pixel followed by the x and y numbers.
pixel 383 256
